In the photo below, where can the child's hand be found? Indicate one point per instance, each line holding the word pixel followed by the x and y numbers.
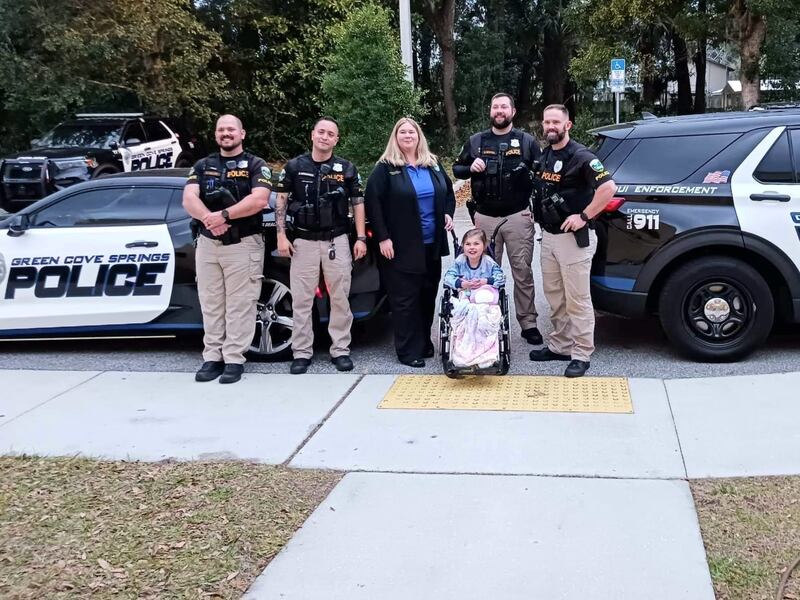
pixel 468 284
pixel 480 282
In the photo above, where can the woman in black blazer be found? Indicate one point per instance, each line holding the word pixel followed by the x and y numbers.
pixel 410 205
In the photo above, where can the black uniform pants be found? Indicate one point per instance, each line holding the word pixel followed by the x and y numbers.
pixel 412 298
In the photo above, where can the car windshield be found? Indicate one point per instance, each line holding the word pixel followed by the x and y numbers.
pixel 83 135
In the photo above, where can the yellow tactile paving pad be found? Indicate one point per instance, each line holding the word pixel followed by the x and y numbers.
pixel 510 392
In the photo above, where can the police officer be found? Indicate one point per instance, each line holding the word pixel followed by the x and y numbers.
pixel 573 187
pixel 499 162
pixel 225 193
pixel 316 189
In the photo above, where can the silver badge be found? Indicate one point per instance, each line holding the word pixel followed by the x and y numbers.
pixel 242 164
pixel 515 143
pixel 337 167
pixel 557 166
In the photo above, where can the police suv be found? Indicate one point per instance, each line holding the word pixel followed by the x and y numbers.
pixel 86 147
pixel 115 256
pixel 705 231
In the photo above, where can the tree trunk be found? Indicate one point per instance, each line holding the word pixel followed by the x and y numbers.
pixel 441 18
pixel 752 29
pixel 699 60
pixel 556 51
pixel 682 74
pixel 646 47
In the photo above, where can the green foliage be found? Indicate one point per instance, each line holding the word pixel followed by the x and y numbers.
pixel 364 87
pixel 56 58
pixel 274 55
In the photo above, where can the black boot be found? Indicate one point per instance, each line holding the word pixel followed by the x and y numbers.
pixel 232 373
pixel 210 370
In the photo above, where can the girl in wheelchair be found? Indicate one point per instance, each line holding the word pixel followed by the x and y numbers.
pixel 474 313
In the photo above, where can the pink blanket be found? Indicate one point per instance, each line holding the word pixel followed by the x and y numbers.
pixel 475 332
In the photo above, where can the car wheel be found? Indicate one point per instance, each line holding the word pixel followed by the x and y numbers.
pixel 106 169
pixel 716 309
pixel 274 322
pixel 182 162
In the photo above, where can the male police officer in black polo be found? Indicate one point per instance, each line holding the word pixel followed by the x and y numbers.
pixel 225 193
pixel 573 188
pixel 317 189
pixel 498 161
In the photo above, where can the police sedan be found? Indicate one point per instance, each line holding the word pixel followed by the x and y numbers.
pixel 115 257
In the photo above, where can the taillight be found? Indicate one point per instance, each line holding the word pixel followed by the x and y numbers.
pixel 614 204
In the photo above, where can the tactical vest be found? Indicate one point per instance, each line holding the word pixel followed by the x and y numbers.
pixel 319 202
pixel 497 192
pixel 213 174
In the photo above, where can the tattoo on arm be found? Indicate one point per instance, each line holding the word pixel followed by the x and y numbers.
pixel 280 213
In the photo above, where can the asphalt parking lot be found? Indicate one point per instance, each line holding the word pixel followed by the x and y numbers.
pixel 625 347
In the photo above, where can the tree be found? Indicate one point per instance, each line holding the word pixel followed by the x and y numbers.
pixel 104 54
pixel 364 87
pixel 750 31
pixel 440 16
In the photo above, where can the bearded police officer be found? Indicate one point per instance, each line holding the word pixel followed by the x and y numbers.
pixel 317 189
pixel 498 162
pixel 225 193
pixel 573 187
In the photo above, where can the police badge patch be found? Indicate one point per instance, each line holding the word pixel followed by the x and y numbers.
pixel 557 166
pixel 337 167
pixel 515 143
pixel 282 176
pixel 242 164
pixel 597 165
pixel 266 173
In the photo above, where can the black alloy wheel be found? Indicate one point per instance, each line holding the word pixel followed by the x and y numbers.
pixel 716 309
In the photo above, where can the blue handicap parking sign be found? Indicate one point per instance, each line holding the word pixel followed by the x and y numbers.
pixel 617 64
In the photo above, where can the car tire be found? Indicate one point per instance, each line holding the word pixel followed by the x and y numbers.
pixel 716 309
pixel 272 340
pixel 104 169
pixel 182 162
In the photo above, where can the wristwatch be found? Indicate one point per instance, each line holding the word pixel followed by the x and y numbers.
pixel 361 238
pixel 225 215
pixel 585 217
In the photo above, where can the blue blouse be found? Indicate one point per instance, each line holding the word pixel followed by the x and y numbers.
pixel 423 186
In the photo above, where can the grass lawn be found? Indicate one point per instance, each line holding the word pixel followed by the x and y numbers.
pixel 76 528
pixel 751 531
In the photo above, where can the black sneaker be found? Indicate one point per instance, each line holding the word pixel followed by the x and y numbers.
pixel 546 354
pixel 232 373
pixel 576 368
pixel 532 336
pixel 342 363
pixel 210 370
pixel 299 366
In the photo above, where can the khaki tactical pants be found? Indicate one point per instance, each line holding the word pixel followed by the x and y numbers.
pixel 229 284
pixel 565 275
pixel 516 235
pixel 304 278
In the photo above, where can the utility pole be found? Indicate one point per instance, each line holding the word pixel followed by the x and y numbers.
pixel 405 38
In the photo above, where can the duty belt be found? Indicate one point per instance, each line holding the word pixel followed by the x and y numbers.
pixel 316 236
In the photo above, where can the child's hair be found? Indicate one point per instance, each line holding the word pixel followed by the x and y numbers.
pixel 475 233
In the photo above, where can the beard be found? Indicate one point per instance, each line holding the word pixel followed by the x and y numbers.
pixel 554 137
pixel 500 121
pixel 228 144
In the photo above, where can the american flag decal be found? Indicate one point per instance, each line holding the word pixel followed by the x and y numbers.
pixel 717 177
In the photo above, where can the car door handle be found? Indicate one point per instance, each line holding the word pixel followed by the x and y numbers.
pixel 778 197
pixel 141 244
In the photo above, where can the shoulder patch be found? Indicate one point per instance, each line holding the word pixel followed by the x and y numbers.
pixel 597 165
pixel 282 175
pixel 266 173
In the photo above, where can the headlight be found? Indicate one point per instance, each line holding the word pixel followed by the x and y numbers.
pixel 66 164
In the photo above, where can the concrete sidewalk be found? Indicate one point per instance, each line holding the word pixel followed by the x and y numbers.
pixel 442 504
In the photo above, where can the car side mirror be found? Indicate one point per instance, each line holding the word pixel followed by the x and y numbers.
pixel 132 142
pixel 18 225
pixel 114 146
